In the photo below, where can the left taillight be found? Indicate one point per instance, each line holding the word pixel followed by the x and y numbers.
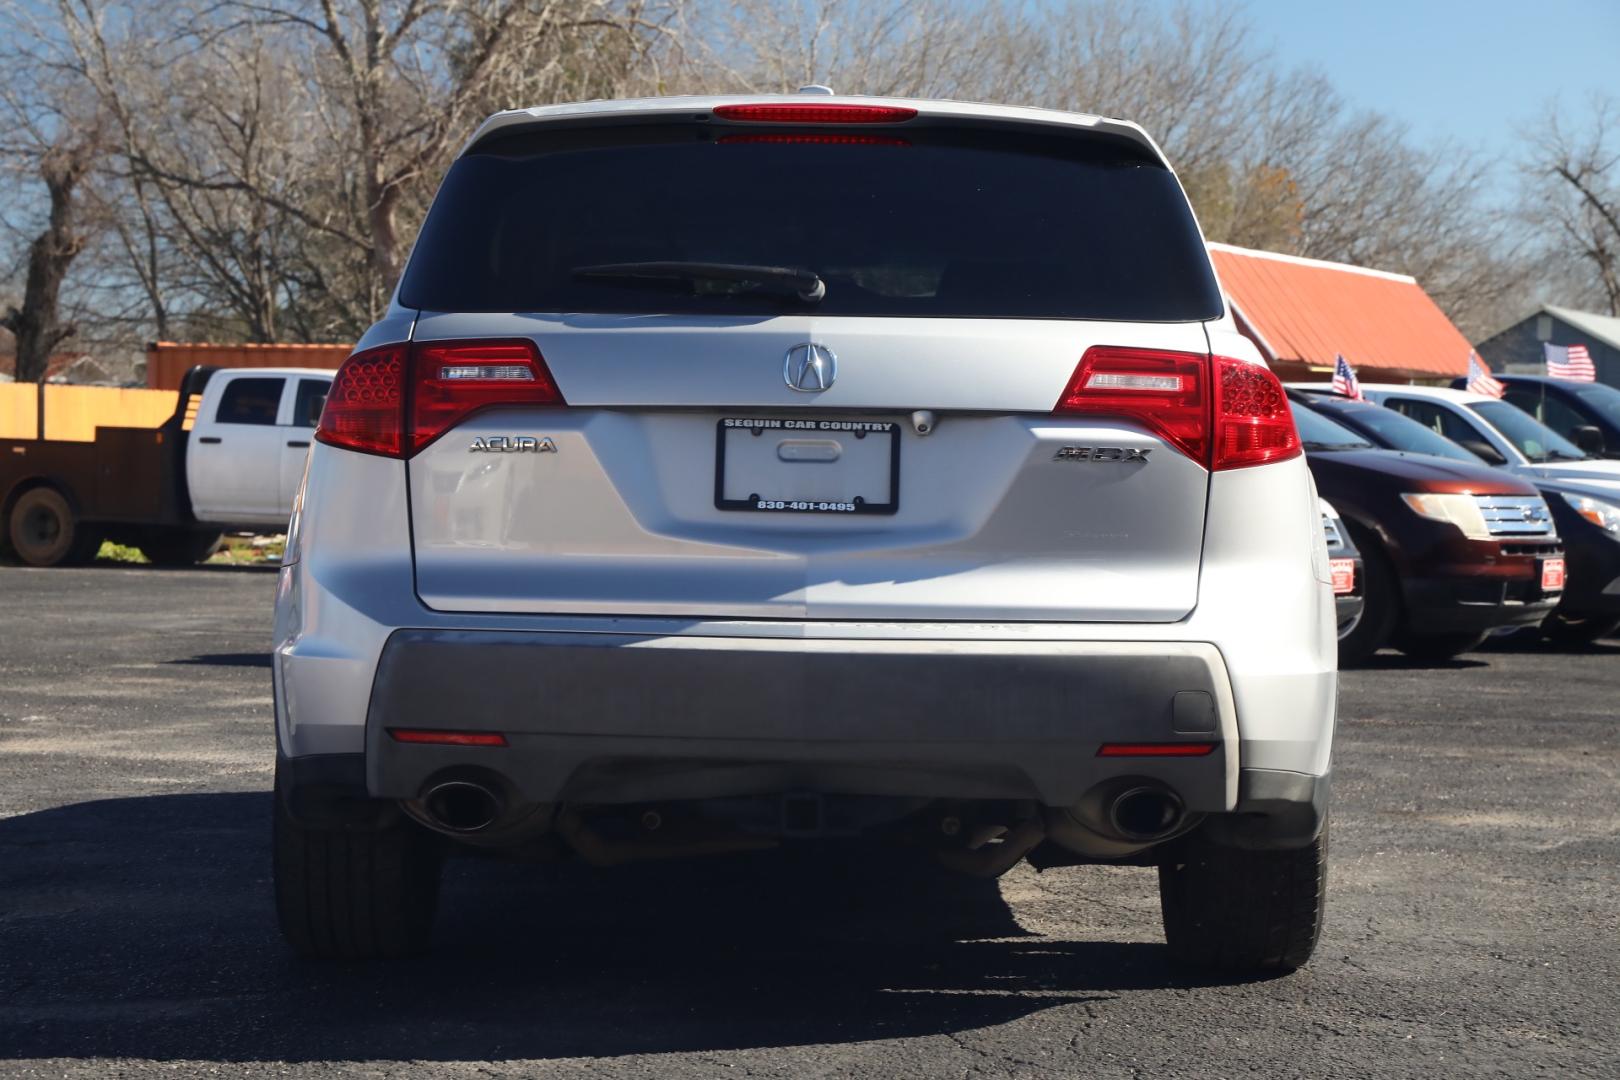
pixel 396 399
pixel 364 409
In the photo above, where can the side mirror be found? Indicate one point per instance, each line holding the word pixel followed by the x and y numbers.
pixel 1482 449
pixel 1588 438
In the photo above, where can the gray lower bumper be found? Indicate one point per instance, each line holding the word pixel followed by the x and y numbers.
pixel 604 718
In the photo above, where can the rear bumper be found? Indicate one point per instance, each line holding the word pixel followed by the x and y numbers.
pixel 615 718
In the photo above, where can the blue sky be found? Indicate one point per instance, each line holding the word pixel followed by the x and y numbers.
pixel 1476 71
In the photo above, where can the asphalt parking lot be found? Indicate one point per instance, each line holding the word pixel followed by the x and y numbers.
pixel 1474 922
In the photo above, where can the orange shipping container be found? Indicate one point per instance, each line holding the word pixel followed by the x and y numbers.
pixel 168 361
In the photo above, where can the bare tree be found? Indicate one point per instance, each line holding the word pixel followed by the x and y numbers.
pixel 396 84
pixel 271 159
pixel 52 139
pixel 35 323
pixel 1573 196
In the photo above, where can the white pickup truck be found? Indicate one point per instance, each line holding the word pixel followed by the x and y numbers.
pixel 230 457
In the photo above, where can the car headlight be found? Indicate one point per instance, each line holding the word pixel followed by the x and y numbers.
pixel 1604 515
pixel 1460 510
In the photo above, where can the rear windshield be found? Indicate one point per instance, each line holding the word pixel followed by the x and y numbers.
pixel 941 223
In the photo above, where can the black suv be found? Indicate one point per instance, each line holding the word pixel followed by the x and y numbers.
pixel 1587 414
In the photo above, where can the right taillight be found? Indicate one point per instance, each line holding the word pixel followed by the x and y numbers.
pixel 1166 392
pixel 1220 412
pixel 1253 423
pixel 396 399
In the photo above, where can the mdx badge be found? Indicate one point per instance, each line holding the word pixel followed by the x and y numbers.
pixel 1101 453
pixel 810 367
pixel 512 444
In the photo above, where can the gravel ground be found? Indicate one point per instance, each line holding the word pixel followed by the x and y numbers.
pixel 1474 924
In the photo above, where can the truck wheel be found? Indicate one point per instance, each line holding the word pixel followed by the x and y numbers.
pixel 1242 910
pixel 1381 602
pixel 44 531
pixel 1438 646
pixel 354 894
pixel 176 547
pixel 1567 630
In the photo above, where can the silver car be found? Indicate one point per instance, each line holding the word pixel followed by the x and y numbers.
pixel 731 471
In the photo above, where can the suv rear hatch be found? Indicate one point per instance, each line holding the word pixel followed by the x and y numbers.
pixel 729 444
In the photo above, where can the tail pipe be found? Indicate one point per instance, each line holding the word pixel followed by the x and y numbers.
pixel 461 806
pixel 1146 813
pixel 1119 818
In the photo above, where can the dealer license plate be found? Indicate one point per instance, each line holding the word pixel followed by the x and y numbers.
pixel 1552 575
pixel 1344 575
pixel 807 466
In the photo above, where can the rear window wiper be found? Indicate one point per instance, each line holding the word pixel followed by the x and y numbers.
pixel 804 284
pixel 1317 446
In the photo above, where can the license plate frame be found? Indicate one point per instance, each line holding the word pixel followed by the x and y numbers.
pixel 769 503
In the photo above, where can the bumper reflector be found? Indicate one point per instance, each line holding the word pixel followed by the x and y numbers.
pixel 1151 749
pixel 447 738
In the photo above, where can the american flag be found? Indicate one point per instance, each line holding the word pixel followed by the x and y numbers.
pixel 1573 363
pixel 1479 378
pixel 1344 379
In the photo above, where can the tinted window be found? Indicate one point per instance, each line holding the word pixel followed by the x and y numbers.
pixel 947 223
pixel 1390 429
pixel 307 405
pixel 1551 409
pixel 1438 419
pixel 250 401
pixel 1601 399
pixel 1534 439
pixel 1317 432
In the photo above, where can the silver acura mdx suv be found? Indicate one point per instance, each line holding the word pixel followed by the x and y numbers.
pixel 730 471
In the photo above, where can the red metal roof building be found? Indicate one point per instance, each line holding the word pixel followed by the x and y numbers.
pixel 1304 312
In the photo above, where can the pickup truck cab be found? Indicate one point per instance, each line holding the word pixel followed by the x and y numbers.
pixel 230 457
pixel 249 441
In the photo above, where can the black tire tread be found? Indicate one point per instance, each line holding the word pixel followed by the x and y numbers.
pixel 354 894
pixel 1242 910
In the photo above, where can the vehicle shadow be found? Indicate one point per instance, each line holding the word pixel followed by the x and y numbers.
pixel 1531 643
pixel 251 660
pixel 1397 661
pixel 195 568
pixel 143 928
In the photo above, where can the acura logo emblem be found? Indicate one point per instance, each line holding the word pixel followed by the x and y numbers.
pixel 810 367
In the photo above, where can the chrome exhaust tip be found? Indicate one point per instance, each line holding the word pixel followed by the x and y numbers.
pixel 1145 813
pixel 460 806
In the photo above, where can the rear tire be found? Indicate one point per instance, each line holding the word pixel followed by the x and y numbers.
pixel 1439 646
pixel 177 547
pixel 1241 910
pixel 1381 602
pixel 44 531
pixel 1575 631
pixel 354 894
